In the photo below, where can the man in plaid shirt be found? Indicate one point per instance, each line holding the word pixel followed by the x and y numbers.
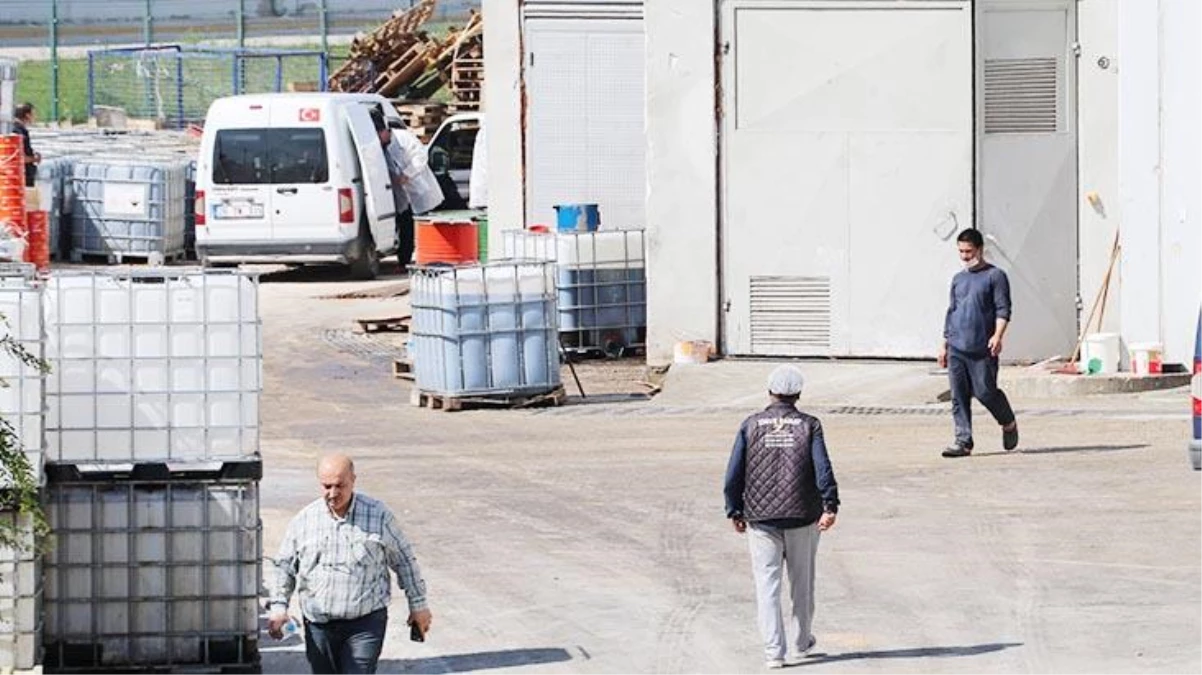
pixel 336 555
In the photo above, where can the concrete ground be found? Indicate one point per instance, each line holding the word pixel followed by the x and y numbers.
pixel 591 538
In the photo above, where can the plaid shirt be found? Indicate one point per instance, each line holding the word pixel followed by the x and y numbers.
pixel 339 566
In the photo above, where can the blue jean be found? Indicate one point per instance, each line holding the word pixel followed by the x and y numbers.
pixel 970 376
pixel 346 646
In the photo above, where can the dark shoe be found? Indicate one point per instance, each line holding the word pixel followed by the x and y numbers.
pixel 1010 438
pixel 957 450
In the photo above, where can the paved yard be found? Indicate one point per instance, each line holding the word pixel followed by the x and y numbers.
pixel 591 538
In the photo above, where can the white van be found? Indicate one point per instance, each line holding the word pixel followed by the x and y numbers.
pixel 295 178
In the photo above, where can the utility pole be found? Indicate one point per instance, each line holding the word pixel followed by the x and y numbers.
pixel 241 24
pixel 54 60
pixel 148 25
pixel 324 20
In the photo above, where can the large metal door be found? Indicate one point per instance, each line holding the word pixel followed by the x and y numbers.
pixel 585 109
pixel 1027 167
pixel 847 168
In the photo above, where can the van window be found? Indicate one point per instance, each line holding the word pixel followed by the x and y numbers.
pixel 258 156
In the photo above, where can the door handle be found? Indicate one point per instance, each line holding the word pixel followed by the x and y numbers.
pixel 286 191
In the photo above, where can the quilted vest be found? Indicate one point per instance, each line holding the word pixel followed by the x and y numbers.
pixel 780 479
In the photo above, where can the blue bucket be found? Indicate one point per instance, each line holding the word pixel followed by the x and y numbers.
pixel 577 217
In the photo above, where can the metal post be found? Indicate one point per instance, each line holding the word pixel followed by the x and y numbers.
pixel 179 88
pixel 148 25
pixel 54 60
pixel 241 24
pixel 91 84
pixel 324 20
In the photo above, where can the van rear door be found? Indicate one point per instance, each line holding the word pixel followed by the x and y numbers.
pixel 239 200
pixel 377 183
pixel 304 203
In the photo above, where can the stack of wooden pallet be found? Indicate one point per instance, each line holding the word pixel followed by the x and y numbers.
pixel 422 117
pixel 467 67
pixel 398 60
pixel 389 57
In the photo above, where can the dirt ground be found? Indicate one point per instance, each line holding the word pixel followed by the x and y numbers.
pixel 591 538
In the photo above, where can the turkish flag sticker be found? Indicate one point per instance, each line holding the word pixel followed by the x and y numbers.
pixel 310 114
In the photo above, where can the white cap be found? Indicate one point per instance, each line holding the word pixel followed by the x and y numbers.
pixel 785 381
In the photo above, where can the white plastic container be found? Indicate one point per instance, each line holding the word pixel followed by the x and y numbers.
pixel 1147 358
pixel 153 366
pixel 163 573
pixel 22 400
pixel 1104 348
pixel 20 602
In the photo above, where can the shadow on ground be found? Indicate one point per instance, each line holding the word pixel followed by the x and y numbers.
pixel 818 658
pixel 294 661
pixel 324 273
pixel 1064 449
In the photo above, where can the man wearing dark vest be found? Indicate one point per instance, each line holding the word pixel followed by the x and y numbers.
pixel 781 491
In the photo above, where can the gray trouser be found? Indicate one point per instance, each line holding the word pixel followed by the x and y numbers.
pixel 798 548
pixel 975 376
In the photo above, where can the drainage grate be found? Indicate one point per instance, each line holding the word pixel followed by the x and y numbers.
pixel 365 346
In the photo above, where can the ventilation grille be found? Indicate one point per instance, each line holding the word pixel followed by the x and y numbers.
pixel 582 9
pixel 1021 95
pixel 788 313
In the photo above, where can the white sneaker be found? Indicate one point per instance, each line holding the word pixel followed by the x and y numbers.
pixel 774 664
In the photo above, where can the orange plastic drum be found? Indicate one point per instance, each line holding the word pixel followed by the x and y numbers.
pixel 12 183
pixel 446 241
pixel 37 251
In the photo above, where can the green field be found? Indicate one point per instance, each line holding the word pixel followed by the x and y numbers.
pixel 122 86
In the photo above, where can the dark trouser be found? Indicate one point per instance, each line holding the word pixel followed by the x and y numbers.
pixel 346 646
pixel 975 376
pixel 404 235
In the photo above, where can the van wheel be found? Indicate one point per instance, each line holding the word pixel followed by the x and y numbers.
pixel 367 266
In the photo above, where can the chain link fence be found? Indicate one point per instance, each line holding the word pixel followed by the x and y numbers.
pixel 52 40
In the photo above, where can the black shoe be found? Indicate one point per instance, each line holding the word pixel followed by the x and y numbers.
pixel 1010 438
pixel 957 450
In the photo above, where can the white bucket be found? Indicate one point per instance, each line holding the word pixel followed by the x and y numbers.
pixel 1147 358
pixel 1102 348
pixel 692 351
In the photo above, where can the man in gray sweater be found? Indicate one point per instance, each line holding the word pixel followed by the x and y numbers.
pixel 978 314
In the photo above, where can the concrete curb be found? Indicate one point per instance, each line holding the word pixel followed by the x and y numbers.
pixel 1050 385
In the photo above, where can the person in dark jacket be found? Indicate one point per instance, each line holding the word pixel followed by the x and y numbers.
pixel 781 491
pixel 24 117
pixel 978 314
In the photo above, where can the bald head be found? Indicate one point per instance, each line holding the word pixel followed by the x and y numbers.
pixel 336 474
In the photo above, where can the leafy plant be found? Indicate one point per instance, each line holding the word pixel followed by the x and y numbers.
pixel 21 494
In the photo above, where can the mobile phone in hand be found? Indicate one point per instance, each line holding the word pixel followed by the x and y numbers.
pixel 415 633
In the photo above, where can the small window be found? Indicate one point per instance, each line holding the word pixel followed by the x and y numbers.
pixel 270 156
pixel 298 156
pixel 240 157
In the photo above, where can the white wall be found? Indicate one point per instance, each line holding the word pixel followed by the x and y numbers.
pixel 682 195
pixel 1181 174
pixel 1159 143
pixel 1097 134
pixel 503 110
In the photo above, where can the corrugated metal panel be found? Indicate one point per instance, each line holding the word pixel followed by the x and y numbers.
pixel 790 312
pixel 1021 95
pixel 582 9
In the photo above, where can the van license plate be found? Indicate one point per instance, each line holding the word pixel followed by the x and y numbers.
pixel 239 210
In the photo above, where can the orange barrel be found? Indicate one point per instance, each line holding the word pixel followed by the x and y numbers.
pixel 12 183
pixel 37 250
pixel 446 241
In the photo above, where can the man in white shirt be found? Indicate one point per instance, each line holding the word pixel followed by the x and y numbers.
pixel 415 189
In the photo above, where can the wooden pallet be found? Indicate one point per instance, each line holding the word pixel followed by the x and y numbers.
pixel 422 399
pixel 392 324
pixel 124 258
pixel 402 369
